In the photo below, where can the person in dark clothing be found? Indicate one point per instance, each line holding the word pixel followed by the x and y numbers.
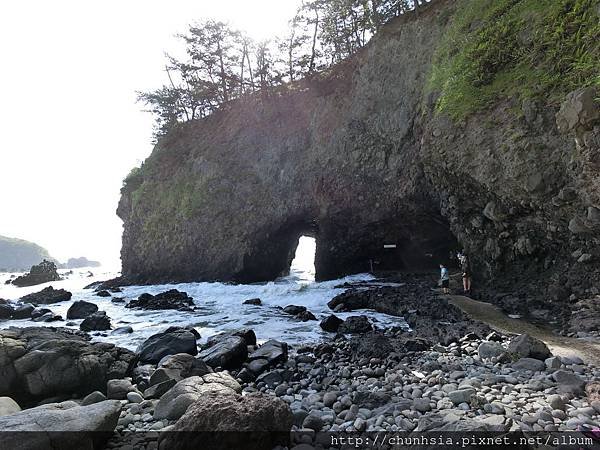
pixel 465 266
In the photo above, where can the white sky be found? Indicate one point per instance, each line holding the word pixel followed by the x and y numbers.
pixel 70 129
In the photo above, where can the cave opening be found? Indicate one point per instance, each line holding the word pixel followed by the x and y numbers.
pixel 302 267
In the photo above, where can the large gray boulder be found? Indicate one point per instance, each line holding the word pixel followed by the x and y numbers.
pixel 60 426
pixel 532 364
pixel 176 401
pixel 223 422
pixel 525 346
pixel 185 365
pixel 8 406
pixel 168 342
pixel 490 349
pixel 41 362
pixel 273 351
pixel 569 383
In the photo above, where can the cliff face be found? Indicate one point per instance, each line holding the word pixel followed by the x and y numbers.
pixel 379 151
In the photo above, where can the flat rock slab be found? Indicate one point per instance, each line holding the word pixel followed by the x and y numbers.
pixel 60 426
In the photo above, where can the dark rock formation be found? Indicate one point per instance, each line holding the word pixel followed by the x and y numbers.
pixel 172 299
pixel 168 342
pixel 47 296
pixel 41 273
pixel 97 321
pixel 273 351
pixel 331 323
pixel 23 311
pixel 384 150
pixel 253 301
pixel 525 346
pixel 355 324
pixel 245 333
pixel 228 352
pixel 299 312
pixel 223 422
pixel 37 363
pixel 81 309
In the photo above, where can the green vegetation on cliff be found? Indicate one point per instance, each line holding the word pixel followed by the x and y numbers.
pixel 523 48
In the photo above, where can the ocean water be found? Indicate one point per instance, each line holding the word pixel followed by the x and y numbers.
pixel 218 306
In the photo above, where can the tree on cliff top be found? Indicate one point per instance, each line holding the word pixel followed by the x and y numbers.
pixel 223 64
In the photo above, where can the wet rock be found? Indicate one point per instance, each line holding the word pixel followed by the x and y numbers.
pixel 44 272
pixel 172 299
pixel 264 421
pixel 273 351
pixel 253 301
pixel 45 315
pixel 305 316
pixel 122 330
pixel 47 296
pixel 245 333
pixel 228 353
pixel 168 342
pixel 6 311
pixel 331 323
pixel 23 311
pixel 526 346
pixel 61 426
pixel 41 362
pixel 103 293
pixel 81 309
pixel 294 310
pixel 8 406
pixel 176 401
pixel 356 324
pixel 98 321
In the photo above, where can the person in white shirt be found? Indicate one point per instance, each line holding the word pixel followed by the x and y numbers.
pixel 445 279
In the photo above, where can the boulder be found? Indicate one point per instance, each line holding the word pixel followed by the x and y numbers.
pixel 41 362
pixel 44 315
pixel 47 296
pixel 44 272
pixel 168 342
pixel 98 321
pixel 245 333
pixel 6 311
pixel 94 397
pixel 8 406
pixel 525 346
pixel 118 389
pixel 61 426
pixel 273 351
pixel 568 382
pixel 103 293
pixel 229 352
pixel 159 389
pixel 223 422
pixel 252 301
pixel 122 330
pixel 185 365
pixel 23 311
pixel 461 395
pixel 579 110
pixel 294 309
pixel 331 323
pixel 534 365
pixel 81 309
pixel 490 349
pixel 172 299
pixel 174 403
pixel 305 316
pixel 356 324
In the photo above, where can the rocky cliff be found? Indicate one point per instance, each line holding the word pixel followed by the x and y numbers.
pixel 452 127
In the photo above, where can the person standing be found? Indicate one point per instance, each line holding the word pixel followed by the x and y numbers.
pixel 465 266
pixel 445 279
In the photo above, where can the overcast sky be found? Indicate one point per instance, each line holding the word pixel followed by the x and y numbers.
pixel 70 127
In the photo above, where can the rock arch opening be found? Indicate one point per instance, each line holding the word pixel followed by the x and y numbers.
pixel 303 265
